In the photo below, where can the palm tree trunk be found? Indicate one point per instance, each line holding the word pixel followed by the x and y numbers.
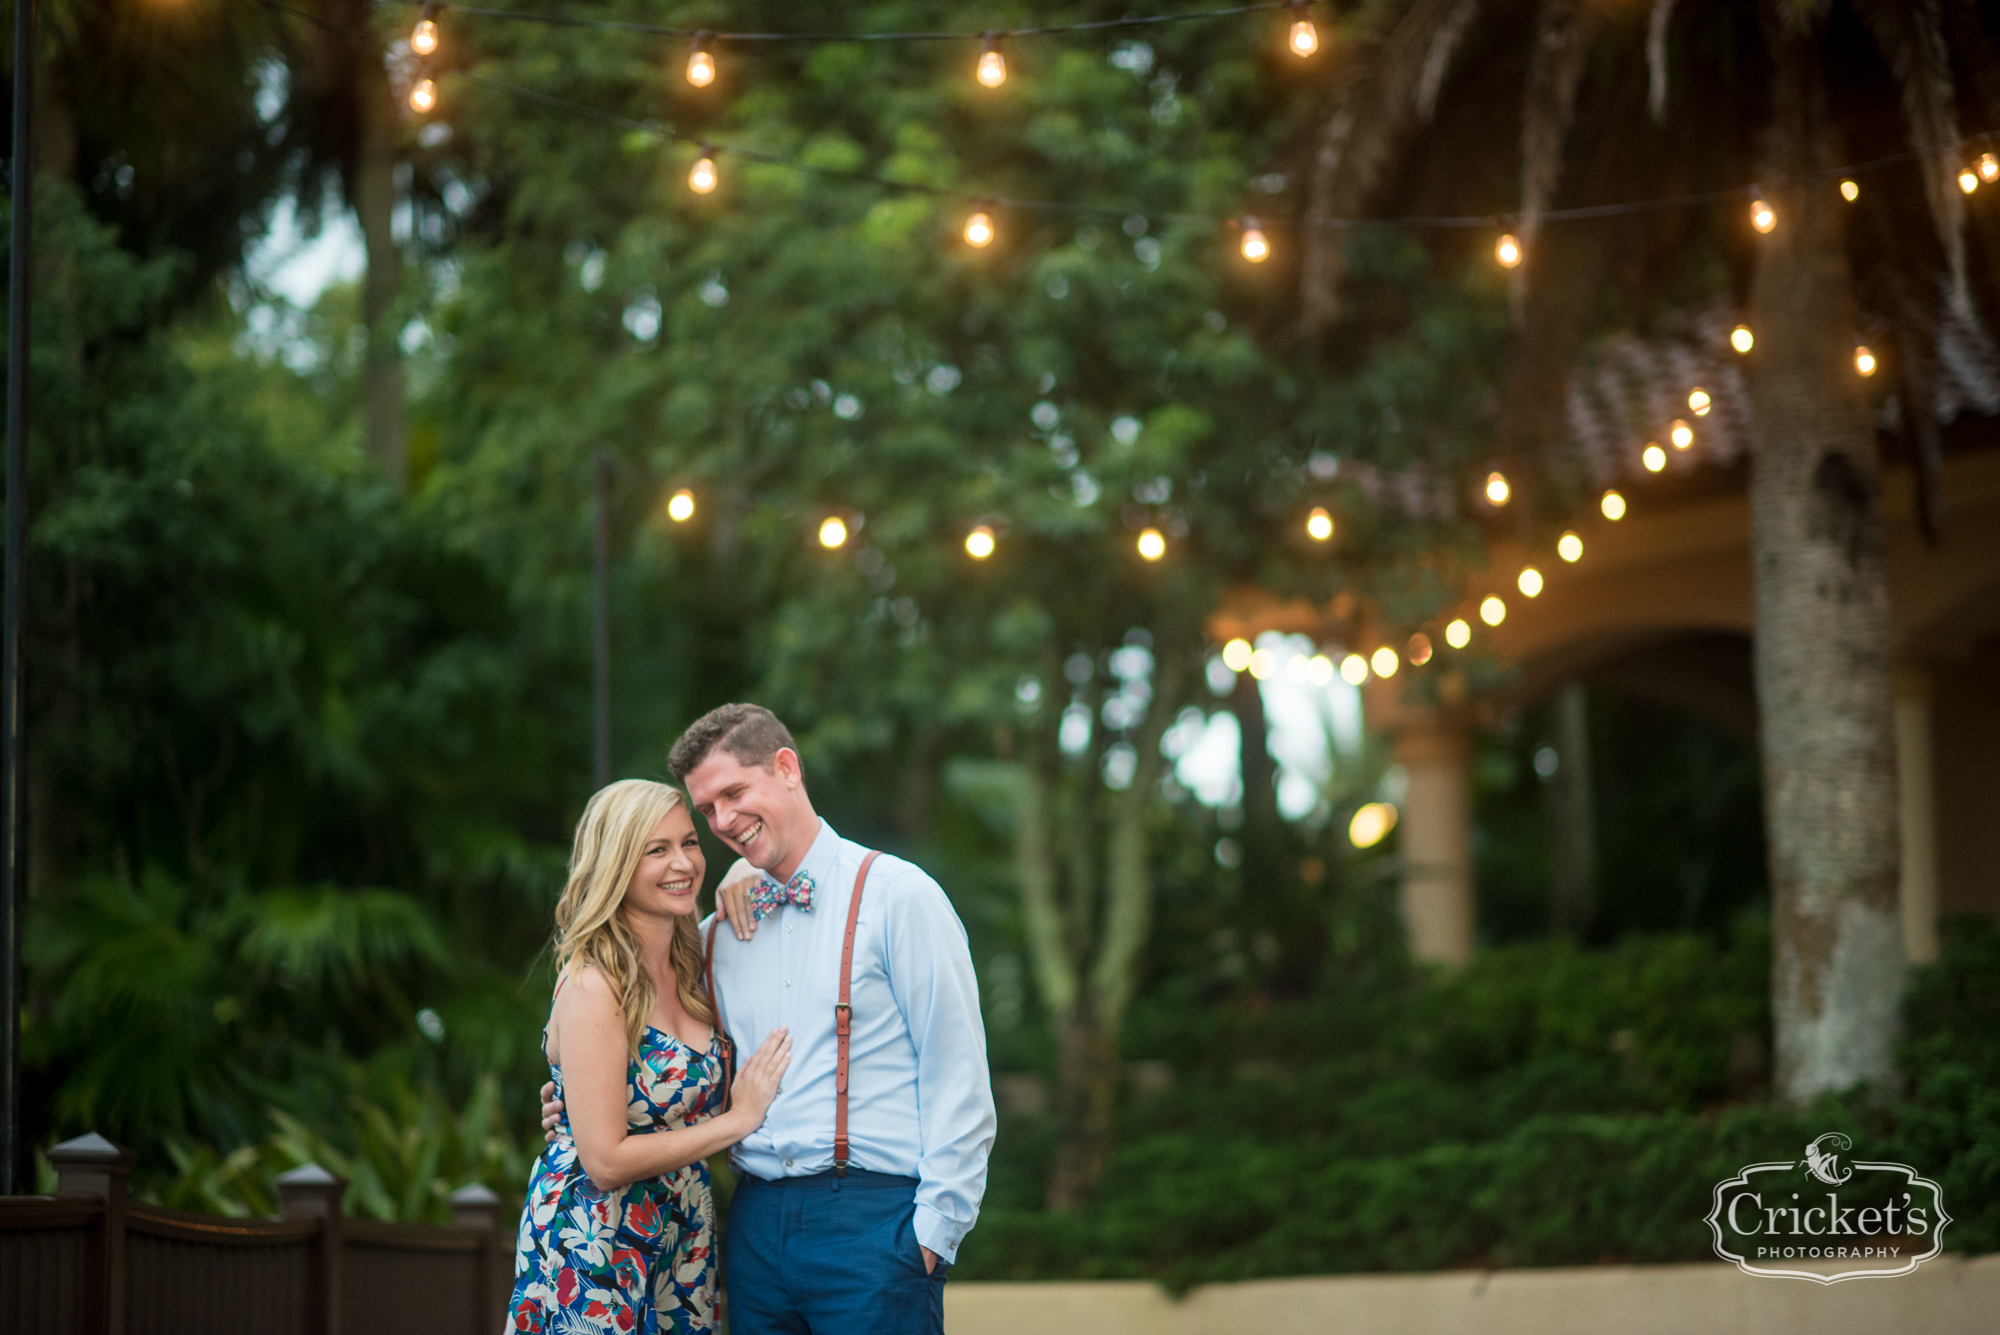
pixel 1822 645
pixel 375 203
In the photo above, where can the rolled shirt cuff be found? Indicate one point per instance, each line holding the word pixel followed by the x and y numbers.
pixel 938 1233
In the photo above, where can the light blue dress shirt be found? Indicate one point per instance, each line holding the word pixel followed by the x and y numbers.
pixel 919 1098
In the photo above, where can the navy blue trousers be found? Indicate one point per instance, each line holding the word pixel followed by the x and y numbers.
pixel 824 1256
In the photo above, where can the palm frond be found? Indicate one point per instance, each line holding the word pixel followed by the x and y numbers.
pixel 1656 58
pixel 1562 38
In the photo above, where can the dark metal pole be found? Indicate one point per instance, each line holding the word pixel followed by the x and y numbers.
pixel 600 624
pixel 13 721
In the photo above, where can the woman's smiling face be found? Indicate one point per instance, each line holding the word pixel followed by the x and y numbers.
pixel 670 870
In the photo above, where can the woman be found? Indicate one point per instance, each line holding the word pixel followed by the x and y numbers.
pixel 618 1232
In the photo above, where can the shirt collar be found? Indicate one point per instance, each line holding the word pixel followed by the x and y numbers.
pixel 821 860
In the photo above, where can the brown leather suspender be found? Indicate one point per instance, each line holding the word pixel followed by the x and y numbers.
pixel 843 1015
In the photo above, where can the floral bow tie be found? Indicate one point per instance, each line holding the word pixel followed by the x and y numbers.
pixel 769 895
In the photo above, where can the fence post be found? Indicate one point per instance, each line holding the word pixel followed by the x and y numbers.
pixel 476 1207
pixel 310 1192
pixel 91 1166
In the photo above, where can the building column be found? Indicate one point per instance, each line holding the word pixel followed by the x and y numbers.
pixel 1436 825
pixel 1917 798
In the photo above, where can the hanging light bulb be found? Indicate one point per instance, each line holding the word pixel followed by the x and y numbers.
pixel 424 37
pixel 701 61
pixel 1762 216
pixel 1304 38
pixel 992 71
pixel 1508 251
pixel 680 506
pixel 702 179
pixel 832 533
pixel 1319 524
pixel 1384 661
pixel 1236 655
pixel 1354 669
pixel 1152 545
pixel 1699 401
pixel 1849 191
pixel 1654 458
pixel 1968 180
pixel 1682 435
pixel 1497 490
pixel 1419 650
pixel 423 95
pixel 978 229
pixel 1741 339
pixel 1319 670
pixel 1613 506
pixel 1459 633
pixel 1989 168
pixel 1864 360
pixel 1570 548
pixel 1492 611
pixel 1530 582
pixel 1255 248
pixel 979 543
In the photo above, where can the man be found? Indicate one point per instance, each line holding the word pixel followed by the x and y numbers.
pixel 813 1247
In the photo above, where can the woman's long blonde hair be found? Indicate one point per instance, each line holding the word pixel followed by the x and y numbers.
pixel 590 925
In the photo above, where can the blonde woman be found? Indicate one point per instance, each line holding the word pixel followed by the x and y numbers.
pixel 618 1232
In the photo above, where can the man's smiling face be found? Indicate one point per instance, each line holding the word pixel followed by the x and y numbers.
pixel 760 812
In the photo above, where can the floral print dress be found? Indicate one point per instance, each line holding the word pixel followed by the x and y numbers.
pixel 639 1260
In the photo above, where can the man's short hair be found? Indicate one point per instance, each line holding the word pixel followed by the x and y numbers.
pixel 750 733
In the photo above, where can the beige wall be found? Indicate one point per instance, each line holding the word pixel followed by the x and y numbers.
pixel 1944 1297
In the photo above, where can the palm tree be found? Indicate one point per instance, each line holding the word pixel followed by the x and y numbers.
pixel 1635 102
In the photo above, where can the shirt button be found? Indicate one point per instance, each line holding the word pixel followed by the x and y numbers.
pixel 788 927
pixel 788 982
pixel 788 1163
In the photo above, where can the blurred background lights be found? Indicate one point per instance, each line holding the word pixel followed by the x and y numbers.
pixel 424 37
pixel 1152 545
pixel 1458 633
pixel 1654 458
pixel 832 533
pixel 979 543
pixel 978 229
pixel 1530 582
pixel 1419 649
pixel 1497 490
pixel 1384 661
pixel 702 179
pixel 1371 824
pixel 1236 655
pixel 701 62
pixel 1319 524
pixel 1613 506
pixel 1297 668
pixel 992 65
pixel 1989 167
pixel 423 95
pixel 1569 547
pixel 1864 360
pixel 1741 339
pixel 1303 37
pixel 680 506
pixel 1968 180
pixel 1255 248
pixel 1263 664
pixel 1508 251
pixel 1319 670
pixel 1699 401
pixel 1849 191
pixel 1682 435
pixel 1492 611
pixel 1762 216
pixel 1354 669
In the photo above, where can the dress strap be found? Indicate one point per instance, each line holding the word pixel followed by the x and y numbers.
pixel 843 1014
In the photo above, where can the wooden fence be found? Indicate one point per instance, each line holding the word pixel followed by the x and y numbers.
pixel 88 1261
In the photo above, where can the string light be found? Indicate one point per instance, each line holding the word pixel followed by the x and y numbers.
pixel 1385 662
pixel 1263 665
pixel 1741 339
pixel 1458 633
pixel 1864 360
pixel 680 506
pixel 1989 167
pixel 1613 506
pixel 1654 458
pixel 1297 669
pixel 1699 401
pixel 1371 824
pixel 1255 248
pixel 701 61
pixel 1319 524
pixel 423 95
pixel 702 179
pixel 1849 191
pixel 1762 216
pixel 992 65
pixel 832 533
pixel 1152 546
pixel 1968 180
pixel 1570 548
pixel 1354 669
pixel 1497 490
pixel 1319 672
pixel 979 543
pixel 1492 611
pixel 1682 434
pixel 1304 38
pixel 1530 582
pixel 1419 649
pixel 979 229
pixel 1236 655
pixel 424 37
pixel 1508 251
